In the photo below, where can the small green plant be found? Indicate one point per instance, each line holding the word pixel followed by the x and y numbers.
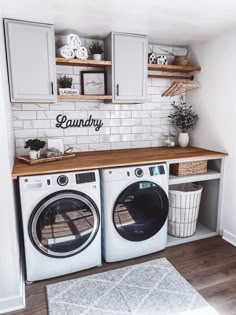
pixel 183 117
pixel 65 82
pixel 96 47
pixel 34 144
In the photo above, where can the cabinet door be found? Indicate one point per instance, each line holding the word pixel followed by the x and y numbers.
pixel 31 61
pixel 129 67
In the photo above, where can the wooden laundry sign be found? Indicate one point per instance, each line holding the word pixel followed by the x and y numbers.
pixel 64 123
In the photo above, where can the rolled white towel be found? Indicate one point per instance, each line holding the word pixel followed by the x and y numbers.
pixel 65 52
pixel 81 53
pixel 71 40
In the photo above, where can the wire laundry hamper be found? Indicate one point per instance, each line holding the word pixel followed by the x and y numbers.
pixel 184 202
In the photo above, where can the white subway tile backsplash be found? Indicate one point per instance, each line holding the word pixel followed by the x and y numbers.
pixel 26 133
pixel 110 138
pixel 70 140
pixel 132 137
pixel 16 106
pixel 131 122
pixel 141 144
pixel 121 114
pixel 21 115
pixel 17 124
pixel 151 106
pixel 141 114
pixel 47 133
pixel 87 139
pixel 62 106
pixel 150 121
pixel 100 114
pixel 87 106
pixel 80 147
pixel 48 114
pixel 124 125
pixel 101 131
pixel 121 145
pixel 75 132
pixel 64 70
pixel 76 114
pixel 121 130
pixel 99 146
pixel 35 106
pixel 111 122
pixel 141 129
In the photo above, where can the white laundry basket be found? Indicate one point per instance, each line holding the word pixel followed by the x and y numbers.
pixel 184 202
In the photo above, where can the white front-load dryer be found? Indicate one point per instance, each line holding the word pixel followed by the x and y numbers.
pixel 134 210
pixel 61 216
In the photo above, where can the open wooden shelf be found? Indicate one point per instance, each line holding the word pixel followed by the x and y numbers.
pixel 210 175
pixel 202 232
pixel 173 68
pixel 82 63
pixel 84 97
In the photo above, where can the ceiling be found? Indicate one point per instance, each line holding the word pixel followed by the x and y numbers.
pixel 166 22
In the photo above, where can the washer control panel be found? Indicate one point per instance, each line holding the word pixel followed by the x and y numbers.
pixel 62 180
pixel 138 172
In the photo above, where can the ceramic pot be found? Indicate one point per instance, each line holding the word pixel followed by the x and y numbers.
pixel 97 57
pixel 183 139
pixel 34 155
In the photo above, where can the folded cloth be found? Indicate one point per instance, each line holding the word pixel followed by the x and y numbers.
pixel 71 40
pixel 65 52
pixel 81 53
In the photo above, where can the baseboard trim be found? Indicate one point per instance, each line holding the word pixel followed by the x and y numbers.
pixel 12 304
pixel 17 302
pixel 229 237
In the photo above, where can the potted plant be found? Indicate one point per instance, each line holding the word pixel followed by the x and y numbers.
pixel 35 145
pixel 184 118
pixel 96 49
pixel 65 86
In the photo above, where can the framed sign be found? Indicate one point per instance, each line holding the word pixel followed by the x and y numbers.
pixel 93 82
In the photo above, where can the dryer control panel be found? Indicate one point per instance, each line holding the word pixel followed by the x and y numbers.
pixel 157 170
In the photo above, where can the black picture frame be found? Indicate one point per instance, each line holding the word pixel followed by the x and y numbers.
pixel 93 75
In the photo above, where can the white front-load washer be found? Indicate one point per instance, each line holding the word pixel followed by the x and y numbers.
pixel 61 216
pixel 134 210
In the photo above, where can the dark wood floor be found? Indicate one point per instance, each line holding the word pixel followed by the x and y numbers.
pixel 209 265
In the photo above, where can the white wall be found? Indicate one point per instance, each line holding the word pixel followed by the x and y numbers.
pixel 11 286
pixel 215 102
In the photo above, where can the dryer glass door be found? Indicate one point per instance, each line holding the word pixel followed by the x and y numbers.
pixel 64 223
pixel 140 211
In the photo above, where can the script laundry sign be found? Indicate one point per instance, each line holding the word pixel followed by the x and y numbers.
pixel 64 123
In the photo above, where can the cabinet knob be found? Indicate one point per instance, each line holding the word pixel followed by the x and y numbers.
pixel 117 89
pixel 52 88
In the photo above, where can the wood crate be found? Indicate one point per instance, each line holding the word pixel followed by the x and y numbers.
pixel 188 168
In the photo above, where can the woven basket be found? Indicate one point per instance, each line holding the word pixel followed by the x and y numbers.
pixel 188 168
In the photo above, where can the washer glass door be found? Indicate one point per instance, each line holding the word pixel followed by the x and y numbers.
pixel 64 223
pixel 140 211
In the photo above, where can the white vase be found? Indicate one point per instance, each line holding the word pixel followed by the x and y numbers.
pixel 34 155
pixel 97 57
pixel 183 139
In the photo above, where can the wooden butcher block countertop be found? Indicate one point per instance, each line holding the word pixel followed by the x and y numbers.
pixel 114 158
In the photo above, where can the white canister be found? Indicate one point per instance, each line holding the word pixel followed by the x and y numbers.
pixel 97 57
pixel 34 155
pixel 183 139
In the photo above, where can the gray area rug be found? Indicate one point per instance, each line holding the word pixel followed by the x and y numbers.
pixel 151 288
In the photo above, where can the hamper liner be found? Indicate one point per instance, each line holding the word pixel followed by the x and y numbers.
pixel 184 202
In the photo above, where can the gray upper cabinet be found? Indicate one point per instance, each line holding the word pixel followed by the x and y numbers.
pixel 129 67
pixel 30 51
